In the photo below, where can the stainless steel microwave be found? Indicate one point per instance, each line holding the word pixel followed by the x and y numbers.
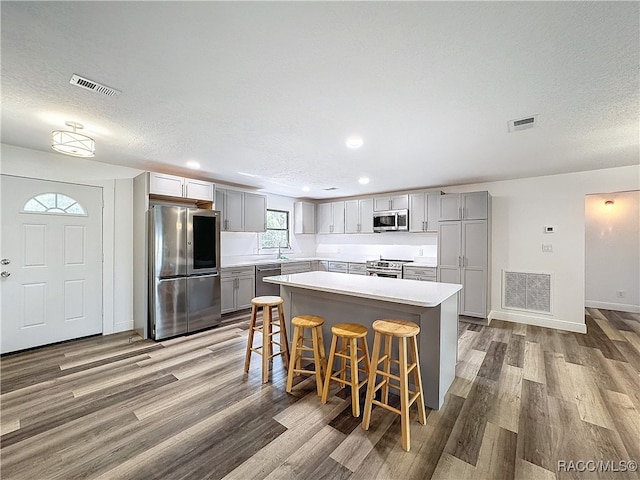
pixel 391 221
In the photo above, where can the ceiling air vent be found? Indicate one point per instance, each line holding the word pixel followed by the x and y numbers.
pixel 93 86
pixel 331 188
pixel 523 123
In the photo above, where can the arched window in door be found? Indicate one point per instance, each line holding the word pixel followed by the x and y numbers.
pixel 54 203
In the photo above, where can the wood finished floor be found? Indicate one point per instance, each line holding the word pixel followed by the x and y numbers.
pixel 523 399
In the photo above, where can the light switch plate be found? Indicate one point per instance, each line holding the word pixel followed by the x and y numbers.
pixel 547 247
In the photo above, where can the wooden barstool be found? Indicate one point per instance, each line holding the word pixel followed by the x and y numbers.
pixel 266 349
pixel 349 333
pixel 314 323
pixel 400 329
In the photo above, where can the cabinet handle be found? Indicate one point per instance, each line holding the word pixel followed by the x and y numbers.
pixel 459 260
pixel 460 212
pixel 424 226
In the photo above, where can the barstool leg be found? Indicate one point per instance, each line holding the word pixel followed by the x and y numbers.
pixel 294 352
pixel 355 391
pixel 317 360
pixel 365 349
pixel 266 342
pixel 323 354
pixel 343 360
pixel 283 335
pixel 386 365
pixel 252 324
pixel 371 383
pixel 404 395
pixel 422 414
pixel 327 378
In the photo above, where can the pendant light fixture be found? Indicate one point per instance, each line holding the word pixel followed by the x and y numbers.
pixel 73 143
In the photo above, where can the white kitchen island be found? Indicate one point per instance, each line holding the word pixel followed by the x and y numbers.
pixel 340 298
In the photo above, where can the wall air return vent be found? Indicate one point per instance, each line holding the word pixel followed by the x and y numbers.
pixel 93 86
pixel 523 123
pixel 530 292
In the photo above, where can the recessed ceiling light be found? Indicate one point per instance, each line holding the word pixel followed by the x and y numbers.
pixel 193 164
pixel 354 141
pixel 363 180
pixel 305 189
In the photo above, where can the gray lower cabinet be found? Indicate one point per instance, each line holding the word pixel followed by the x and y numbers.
pixel 340 267
pixel 463 254
pixel 289 268
pixel 357 268
pixel 423 274
pixel 237 287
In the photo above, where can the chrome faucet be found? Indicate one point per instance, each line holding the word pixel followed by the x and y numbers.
pixel 279 254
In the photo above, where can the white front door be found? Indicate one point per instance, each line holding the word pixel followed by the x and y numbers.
pixel 51 281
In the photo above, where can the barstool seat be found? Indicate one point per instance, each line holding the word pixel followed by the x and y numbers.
pixel 314 323
pixel 401 330
pixel 350 334
pixel 266 349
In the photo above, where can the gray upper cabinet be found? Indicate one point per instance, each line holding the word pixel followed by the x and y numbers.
pixel 330 217
pixel 358 216
pixel 255 212
pixel 464 206
pixel 423 211
pixel 241 211
pixel 391 202
pixel 174 186
pixel 304 217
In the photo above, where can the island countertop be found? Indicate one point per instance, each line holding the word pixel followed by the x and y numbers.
pixel 394 290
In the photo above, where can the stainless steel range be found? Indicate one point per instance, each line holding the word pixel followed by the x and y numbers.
pixel 386 267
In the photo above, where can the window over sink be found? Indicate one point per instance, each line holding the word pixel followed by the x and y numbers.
pixel 277 233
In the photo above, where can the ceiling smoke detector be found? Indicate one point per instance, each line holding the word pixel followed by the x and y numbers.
pixel 93 86
pixel 523 123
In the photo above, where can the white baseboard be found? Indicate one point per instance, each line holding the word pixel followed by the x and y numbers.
pixel 123 326
pixel 538 321
pixel 621 307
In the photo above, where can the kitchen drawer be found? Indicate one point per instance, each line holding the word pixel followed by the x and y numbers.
pixel 422 278
pixel 237 271
pixel 421 271
pixel 358 268
pixel 296 267
pixel 424 274
pixel 341 267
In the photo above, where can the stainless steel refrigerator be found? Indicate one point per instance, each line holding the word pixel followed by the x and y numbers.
pixel 184 261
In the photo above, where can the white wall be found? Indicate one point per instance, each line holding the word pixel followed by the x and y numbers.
pixel 117 218
pixel 520 210
pixel 397 245
pixel 612 251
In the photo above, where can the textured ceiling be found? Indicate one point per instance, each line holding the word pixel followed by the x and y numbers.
pixel 273 89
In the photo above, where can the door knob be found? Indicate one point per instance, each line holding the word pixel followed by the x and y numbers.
pixel 5 274
pixel 5 261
